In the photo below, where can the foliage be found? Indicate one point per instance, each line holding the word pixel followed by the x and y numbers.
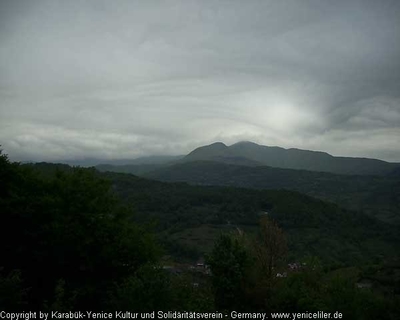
pixel 230 263
pixel 68 235
pixel 68 242
pixel 145 291
pixel 270 247
pixel 193 216
pixel 379 196
pixel 240 285
pixel 12 292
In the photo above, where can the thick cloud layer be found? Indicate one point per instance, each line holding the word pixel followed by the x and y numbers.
pixel 121 79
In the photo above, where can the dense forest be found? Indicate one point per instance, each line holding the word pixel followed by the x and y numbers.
pixel 378 196
pixel 197 214
pixel 78 239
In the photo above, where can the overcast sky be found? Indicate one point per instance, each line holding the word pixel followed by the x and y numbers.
pixel 122 79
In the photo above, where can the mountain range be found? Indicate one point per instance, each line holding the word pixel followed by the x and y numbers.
pixel 252 154
pixel 368 185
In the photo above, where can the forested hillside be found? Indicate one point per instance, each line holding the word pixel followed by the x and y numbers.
pixel 196 214
pixel 98 240
pixel 374 195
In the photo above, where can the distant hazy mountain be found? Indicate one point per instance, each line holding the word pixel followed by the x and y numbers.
pixel 252 154
pixel 149 160
pixel 136 169
pixel 139 166
pixel 221 153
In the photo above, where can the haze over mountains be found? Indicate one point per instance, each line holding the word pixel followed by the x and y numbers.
pixel 150 160
pixel 251 154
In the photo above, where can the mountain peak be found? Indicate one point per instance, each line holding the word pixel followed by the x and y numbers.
pixel 207 152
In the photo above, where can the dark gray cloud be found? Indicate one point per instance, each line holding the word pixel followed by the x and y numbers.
pixel 119 79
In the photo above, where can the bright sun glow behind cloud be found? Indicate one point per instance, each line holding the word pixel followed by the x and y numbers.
pixel 274 112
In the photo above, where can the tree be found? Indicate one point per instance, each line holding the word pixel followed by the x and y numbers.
pixel 270 247
pixel 230 262
pixel 243 270
pixel 71 228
